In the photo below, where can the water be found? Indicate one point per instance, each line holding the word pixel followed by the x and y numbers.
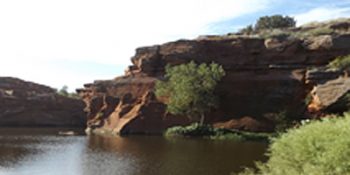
pixel 29 151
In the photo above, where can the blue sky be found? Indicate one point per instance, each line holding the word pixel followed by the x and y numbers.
pixel 72 42
pixel 315 10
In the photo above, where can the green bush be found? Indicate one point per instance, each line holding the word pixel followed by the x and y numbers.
pixel 274 22
pixel 275 33
pixel 190 89
pixel 247 30
pixel 317 148
pixel 64 92
pixel 281 120
pixel 207 131
pixel 192 130
pixel 340 63
pixel 319 31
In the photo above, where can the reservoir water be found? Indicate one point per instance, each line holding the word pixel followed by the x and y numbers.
pixel 34 151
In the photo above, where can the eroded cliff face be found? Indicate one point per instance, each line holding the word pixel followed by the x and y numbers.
pixel 263 77
pixel 28 104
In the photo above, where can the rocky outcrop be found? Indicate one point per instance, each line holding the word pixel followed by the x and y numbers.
pixel 327 91
pixel 28 104
pixel 263 77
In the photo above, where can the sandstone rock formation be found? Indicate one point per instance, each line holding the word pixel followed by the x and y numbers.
pixel 28 104
pixel 327 91
pixel 264 76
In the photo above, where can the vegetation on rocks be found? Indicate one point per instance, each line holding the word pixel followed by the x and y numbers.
pixel 340 63
pixel 319 147
pixel 274 22
pixel 278 26
pixel 190 89
pixel 269 23
pixel 207 131
pixel 64 92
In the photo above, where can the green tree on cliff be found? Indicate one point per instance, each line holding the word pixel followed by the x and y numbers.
pixel 63 91
pixel 275 21
pixel 190 89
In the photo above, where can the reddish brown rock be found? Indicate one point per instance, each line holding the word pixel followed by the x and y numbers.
pixel 262 77
pixel 326 93
pixel 247 123
pixel 29 104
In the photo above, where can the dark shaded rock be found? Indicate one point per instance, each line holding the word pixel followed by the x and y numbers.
pixel 29 104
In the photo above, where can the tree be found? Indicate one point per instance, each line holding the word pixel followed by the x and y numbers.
pixel 190 89
pixel 247 30
pixel 275 21
pixel 63 91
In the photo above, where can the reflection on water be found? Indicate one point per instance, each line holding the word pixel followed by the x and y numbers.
pixel 42 152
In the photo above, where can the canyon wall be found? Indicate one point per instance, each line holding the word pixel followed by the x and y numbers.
pixel 264 77
pixel 29 104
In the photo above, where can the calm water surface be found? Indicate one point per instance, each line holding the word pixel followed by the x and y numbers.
pixel 29 151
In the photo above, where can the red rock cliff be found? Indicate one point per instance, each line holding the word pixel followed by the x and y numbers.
pixel 264 77
pixel 28 104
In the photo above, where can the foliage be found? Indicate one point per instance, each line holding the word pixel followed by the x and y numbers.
pixel 190 88
pixel 319 31
pixel 282 120
pixel 247 30
pixel 319 147
pixel 64 92
pixel 340 63
pixel 275 33
pixel 192 130
pixel 275 21
pixel 207 131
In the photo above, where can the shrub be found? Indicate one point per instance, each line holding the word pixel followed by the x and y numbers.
pixel 247 30
pixel 340 63
pixel 207 131
pixel 320 147
pixel 275 21
pixel 281 120
pixel 64 92
pixel 192 130
pixel 275 33
pixel 190 88
pixel 319 31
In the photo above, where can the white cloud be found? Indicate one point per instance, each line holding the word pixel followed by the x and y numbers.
pixel 35 32
pixel 322 14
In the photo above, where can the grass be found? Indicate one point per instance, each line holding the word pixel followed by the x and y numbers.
pixel 340 63
pixel 207 131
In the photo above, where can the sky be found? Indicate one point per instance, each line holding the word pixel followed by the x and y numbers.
pixel 73 42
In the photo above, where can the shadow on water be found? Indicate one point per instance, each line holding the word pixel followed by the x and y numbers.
pixel 42 154
pixel 156 155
